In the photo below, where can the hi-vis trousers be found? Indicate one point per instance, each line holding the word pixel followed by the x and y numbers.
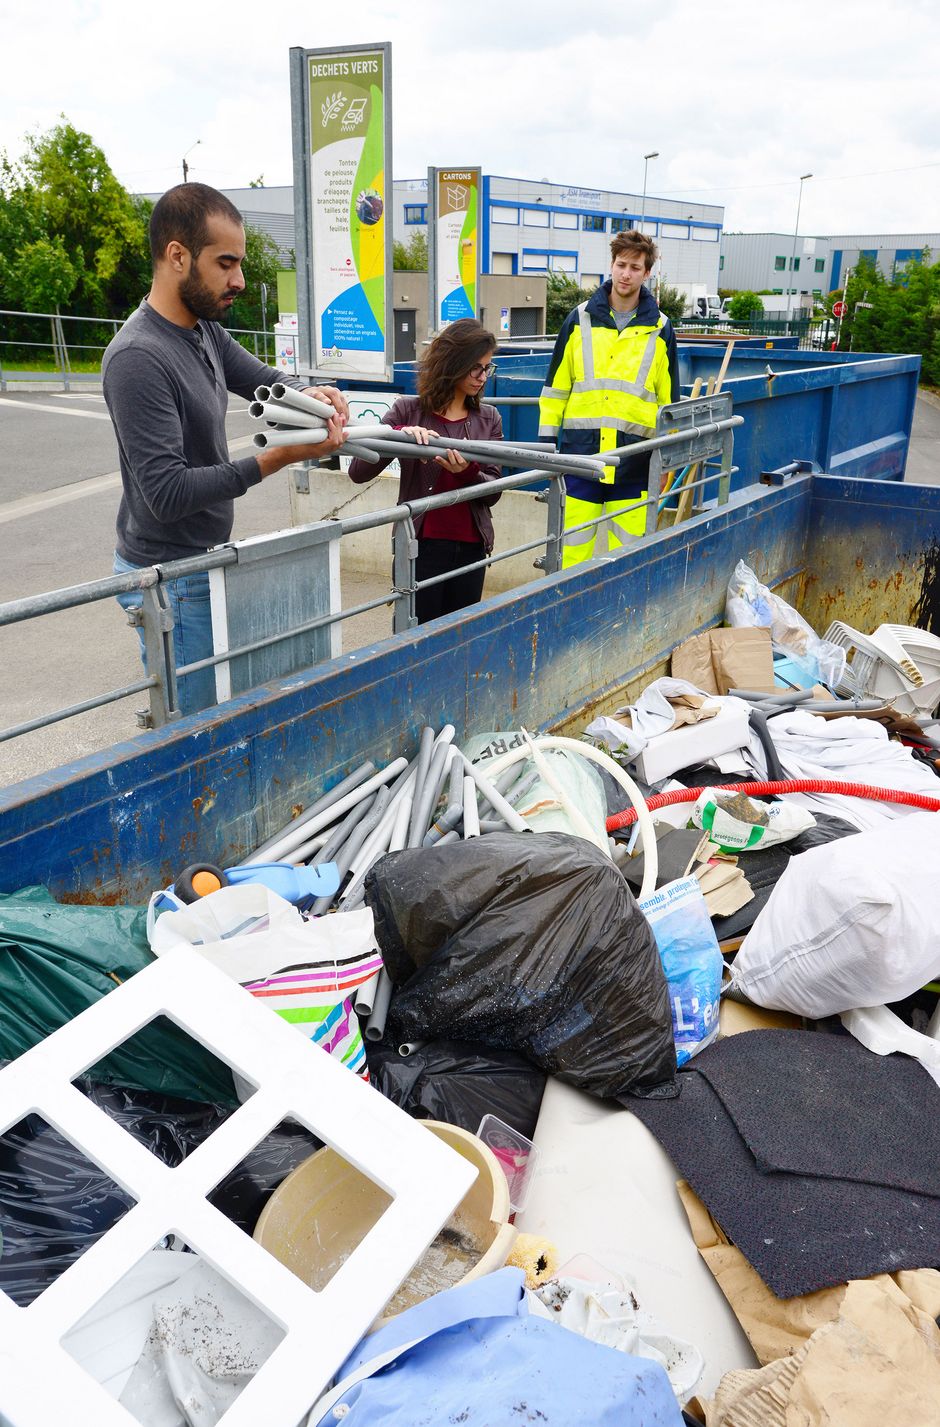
pixel 606 538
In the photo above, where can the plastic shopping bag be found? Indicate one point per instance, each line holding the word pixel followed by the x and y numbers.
pixel 750 604
pixel 305 970
pixel 691 960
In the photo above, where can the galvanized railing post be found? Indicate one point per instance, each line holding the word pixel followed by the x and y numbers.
pixel 653 488
pixel 405 549
pixel 554 498
pixel 727 461
pixel 155 617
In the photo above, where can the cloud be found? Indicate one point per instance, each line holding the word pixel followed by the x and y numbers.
pixel 739 98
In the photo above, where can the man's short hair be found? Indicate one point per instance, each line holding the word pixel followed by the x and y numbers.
pixel 633 241
pixel 183 213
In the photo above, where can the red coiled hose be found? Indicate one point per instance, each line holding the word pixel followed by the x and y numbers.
pixel 791 785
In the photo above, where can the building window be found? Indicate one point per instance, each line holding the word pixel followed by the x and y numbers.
pixel 563 263
pixel 565 220
pixel 505 264
pixel 705 235
pixel 535 217
pixel 721 263
pixel 589 281
pixel 593 223
pixel 504 215
pixel 780 265
pixel 621 225
pixel 416 212
pixel 794 265
pixel 777 291
pixel 534 262
pixel 674 230
pixel 820 265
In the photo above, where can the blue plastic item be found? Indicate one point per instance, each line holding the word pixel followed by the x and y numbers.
pixel 691 959
pixel 294 884
pixel 474 1355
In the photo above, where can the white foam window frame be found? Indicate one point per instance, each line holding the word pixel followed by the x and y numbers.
pixel 40 1382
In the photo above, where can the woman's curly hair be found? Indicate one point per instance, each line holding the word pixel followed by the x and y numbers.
pixel 460 346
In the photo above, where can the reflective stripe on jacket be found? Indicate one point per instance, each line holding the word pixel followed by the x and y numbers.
pixel 604 386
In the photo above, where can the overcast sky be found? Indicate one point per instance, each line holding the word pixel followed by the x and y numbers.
pixel 739 97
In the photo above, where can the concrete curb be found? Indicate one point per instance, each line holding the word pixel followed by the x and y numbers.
pixel 929 397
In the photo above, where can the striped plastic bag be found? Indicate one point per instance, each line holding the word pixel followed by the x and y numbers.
pixel 306 971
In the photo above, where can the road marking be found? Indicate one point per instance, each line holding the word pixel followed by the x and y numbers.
pixel 59 410
pixel 78 396
pixel 77 490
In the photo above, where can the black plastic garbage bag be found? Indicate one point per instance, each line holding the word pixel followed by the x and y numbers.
pixel 528 942
pixel 459 1083
pixel 56 960
pixel 54 1203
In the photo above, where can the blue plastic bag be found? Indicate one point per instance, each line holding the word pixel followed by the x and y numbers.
pixel 691 960
pixel 474 1355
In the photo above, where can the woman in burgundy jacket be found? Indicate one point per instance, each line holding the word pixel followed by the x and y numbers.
pixel 451 378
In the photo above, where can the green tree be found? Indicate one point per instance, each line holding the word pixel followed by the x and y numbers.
pixel 262 265
pixel 743 304
pixel 562 294
pixel 64 205
pixel 671 302
pixel 412 258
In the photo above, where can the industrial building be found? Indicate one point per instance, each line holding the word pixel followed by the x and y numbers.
pixel 766 262
pixel 528 229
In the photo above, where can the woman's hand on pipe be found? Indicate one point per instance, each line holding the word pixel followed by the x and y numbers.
pixel 452 461
pixel 420 434
pixel 333 395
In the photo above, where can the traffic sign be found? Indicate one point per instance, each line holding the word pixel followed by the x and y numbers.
pixel 839 309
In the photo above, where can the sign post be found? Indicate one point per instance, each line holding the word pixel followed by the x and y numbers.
pixel 342 141
pixel 453 245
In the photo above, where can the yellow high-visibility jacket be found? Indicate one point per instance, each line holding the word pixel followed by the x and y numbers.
pixel 604 388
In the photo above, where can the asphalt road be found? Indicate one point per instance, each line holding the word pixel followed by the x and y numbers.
pixel 59 490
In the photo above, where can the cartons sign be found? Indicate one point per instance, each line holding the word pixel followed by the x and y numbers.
pixel 346 126
pixel 454 244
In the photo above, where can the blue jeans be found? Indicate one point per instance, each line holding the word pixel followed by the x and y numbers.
pixel 192 632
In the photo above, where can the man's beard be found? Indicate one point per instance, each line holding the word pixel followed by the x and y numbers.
pixel 199 300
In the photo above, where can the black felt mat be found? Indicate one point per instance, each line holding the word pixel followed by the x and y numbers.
pixel 813 1103
pixel 799 1232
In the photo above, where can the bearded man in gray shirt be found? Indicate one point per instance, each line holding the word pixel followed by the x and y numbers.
pixel 166 378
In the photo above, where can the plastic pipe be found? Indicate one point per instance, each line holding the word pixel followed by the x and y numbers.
pixel 768 789
pixel 410 1048
pixel 375 1025
pixel 284 415
pixel 365 996
pixel 640 810
pixel 305 827
pixel 519 790
pixel 775 696
pixel 452 836
pixel 495 800
pixel 492 825
pixel 503 453
pixel 328 800
pixel 357 837
pixel 446 823
pixel 301 436
pixel 521 460
pixel 361 453
pixel 471 813
pixel 339 835
pixel 425 749
pixel 300 401
pixel 758 721
pixel 423 807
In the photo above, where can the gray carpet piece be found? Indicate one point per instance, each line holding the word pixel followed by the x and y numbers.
pixel 799 1232
pixel 813 1103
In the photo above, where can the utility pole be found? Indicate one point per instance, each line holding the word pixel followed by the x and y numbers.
pixel 185 157
pixel 646 159
pixel 796 229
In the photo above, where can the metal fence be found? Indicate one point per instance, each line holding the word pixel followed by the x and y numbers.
pixel 811 334
pixel 48 347
pixel 694 436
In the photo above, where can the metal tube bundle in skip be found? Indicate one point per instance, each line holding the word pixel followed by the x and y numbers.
pixel 293 418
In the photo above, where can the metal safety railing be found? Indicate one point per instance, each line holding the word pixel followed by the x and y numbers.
pixel 694 435
pixel 31 341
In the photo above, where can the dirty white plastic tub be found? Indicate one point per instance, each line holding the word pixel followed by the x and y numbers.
pixel 325 1207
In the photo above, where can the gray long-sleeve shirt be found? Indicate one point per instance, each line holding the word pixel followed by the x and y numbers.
pixel 167 388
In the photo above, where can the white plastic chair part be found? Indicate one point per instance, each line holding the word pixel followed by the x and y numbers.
pixel 41 1382
pixel 882 1032
pixel 596 755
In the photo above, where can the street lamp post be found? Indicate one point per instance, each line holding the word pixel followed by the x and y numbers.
pixel 646 159
pixel 796 228
pixel 185 157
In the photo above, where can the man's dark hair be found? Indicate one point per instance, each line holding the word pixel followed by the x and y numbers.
pixel 183 213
